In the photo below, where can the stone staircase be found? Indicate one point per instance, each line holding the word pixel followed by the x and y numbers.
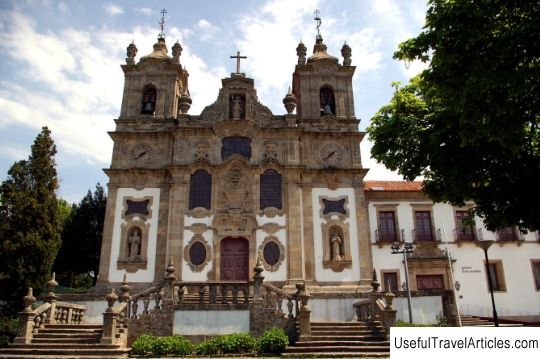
pixel 471 321
pixel 65 341
pixel 342 339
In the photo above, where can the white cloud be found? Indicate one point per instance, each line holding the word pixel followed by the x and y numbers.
pixel 113 10
pixel 206 30
pixel 143 10
pixel 15 153
pixel 269 36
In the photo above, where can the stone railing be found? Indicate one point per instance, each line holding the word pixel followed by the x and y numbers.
pixel 378 306
pixel 144 299
pixel 273 298
pixel 51 311
pixel 229 292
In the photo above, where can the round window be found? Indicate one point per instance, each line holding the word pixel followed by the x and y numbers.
pixel 197 253
pixel 271 253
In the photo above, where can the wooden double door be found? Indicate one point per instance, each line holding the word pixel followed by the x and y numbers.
pixel 234 259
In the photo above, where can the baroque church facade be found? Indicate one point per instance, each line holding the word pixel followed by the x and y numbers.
pixel 216 191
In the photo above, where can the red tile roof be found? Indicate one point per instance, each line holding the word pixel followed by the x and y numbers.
pixel 393 186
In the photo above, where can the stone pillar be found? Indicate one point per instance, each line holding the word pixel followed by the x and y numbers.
pixel 52 298
pixel 109 319
pixel 389 313
pixel 168 295
pixel 106 244
pixel 304 314
pixel 294 242
pixel 177 204
pixel 26 320
pixel 364 239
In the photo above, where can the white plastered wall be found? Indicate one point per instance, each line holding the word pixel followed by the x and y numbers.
pixel 281 273
pixel 141 275
pixel 327 274
pixel 520 297
pixel 187 274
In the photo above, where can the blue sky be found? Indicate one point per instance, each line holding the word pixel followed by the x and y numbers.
pixel 60 64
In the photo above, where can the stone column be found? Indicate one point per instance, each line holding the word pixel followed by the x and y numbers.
pixel 106 244
pixel 109 319
pixel 364 239
pixel 304 313
pixel 294 242
pixel 26 320
pixel 177 205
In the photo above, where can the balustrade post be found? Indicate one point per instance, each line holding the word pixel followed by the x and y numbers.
pixel 258 281
pixel 26 320
pixel 389 313
pixel 374 295
pixel 109 319
pixel 124 296
pixel 51 298
pixel 305 313
pixel 168 295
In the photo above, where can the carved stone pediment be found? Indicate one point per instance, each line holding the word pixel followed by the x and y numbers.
pixel 234 222
pixel 427 250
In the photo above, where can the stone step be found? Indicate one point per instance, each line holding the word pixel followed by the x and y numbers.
pixel 55 345
pixel 71 330
pixel 64 340
pixel 341 332
pixel 90 353
pixel 359 343
pixel 68 335
pixel 74 326
pixel 338 355
pixel 345 338
pixel 339 348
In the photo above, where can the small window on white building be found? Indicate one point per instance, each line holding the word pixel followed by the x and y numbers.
pixel 536 273
pixel 495 274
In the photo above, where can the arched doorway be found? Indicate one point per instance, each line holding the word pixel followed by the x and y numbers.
pixel 234 259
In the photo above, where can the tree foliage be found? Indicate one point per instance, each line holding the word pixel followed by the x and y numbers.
pixel 469 122
pixel 81 238
pixel 30 226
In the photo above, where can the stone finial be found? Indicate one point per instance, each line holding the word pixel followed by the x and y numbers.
pixel 51 285
pixel 124 290
pixel 28 300
pixel 346 53
pixel 258 268
pixel 111 298
pixel 176 50
pixel 290 102
pixel 131 52
pixel 388 296
pixel 301 51
pixel 170 270
pixel 184 103
pixel 374 282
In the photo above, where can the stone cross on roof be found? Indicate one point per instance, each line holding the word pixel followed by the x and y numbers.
pixel 161 23
pixel 238 57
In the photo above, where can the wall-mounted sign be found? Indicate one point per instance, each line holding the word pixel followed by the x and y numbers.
pixel 469 270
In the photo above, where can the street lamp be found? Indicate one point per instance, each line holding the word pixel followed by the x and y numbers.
pixel 485 244
pixel 405 248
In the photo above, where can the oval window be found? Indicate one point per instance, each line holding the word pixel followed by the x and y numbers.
pixel 271 253
pixel 197 253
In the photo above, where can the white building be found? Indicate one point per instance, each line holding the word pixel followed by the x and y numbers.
pixel 400 211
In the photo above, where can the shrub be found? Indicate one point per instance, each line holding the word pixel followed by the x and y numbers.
pixel 227 344
pixel 143 344
pixel 273 341
pixel 8 330
pixel 176 345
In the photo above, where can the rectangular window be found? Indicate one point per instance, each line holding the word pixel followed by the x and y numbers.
pixel 495 274
pixel 387 227
pixel 508 234
pixel 422 222
pixel 536 274
pixel 430 281
pixel 464 230
pixel 392 279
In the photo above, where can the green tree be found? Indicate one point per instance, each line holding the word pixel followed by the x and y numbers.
pixel 30 229
pixel 81 239
pixel 469 123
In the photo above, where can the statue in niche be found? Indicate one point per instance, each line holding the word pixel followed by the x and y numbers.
pixel 237 107
pixel 335 242
pixel 134 244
